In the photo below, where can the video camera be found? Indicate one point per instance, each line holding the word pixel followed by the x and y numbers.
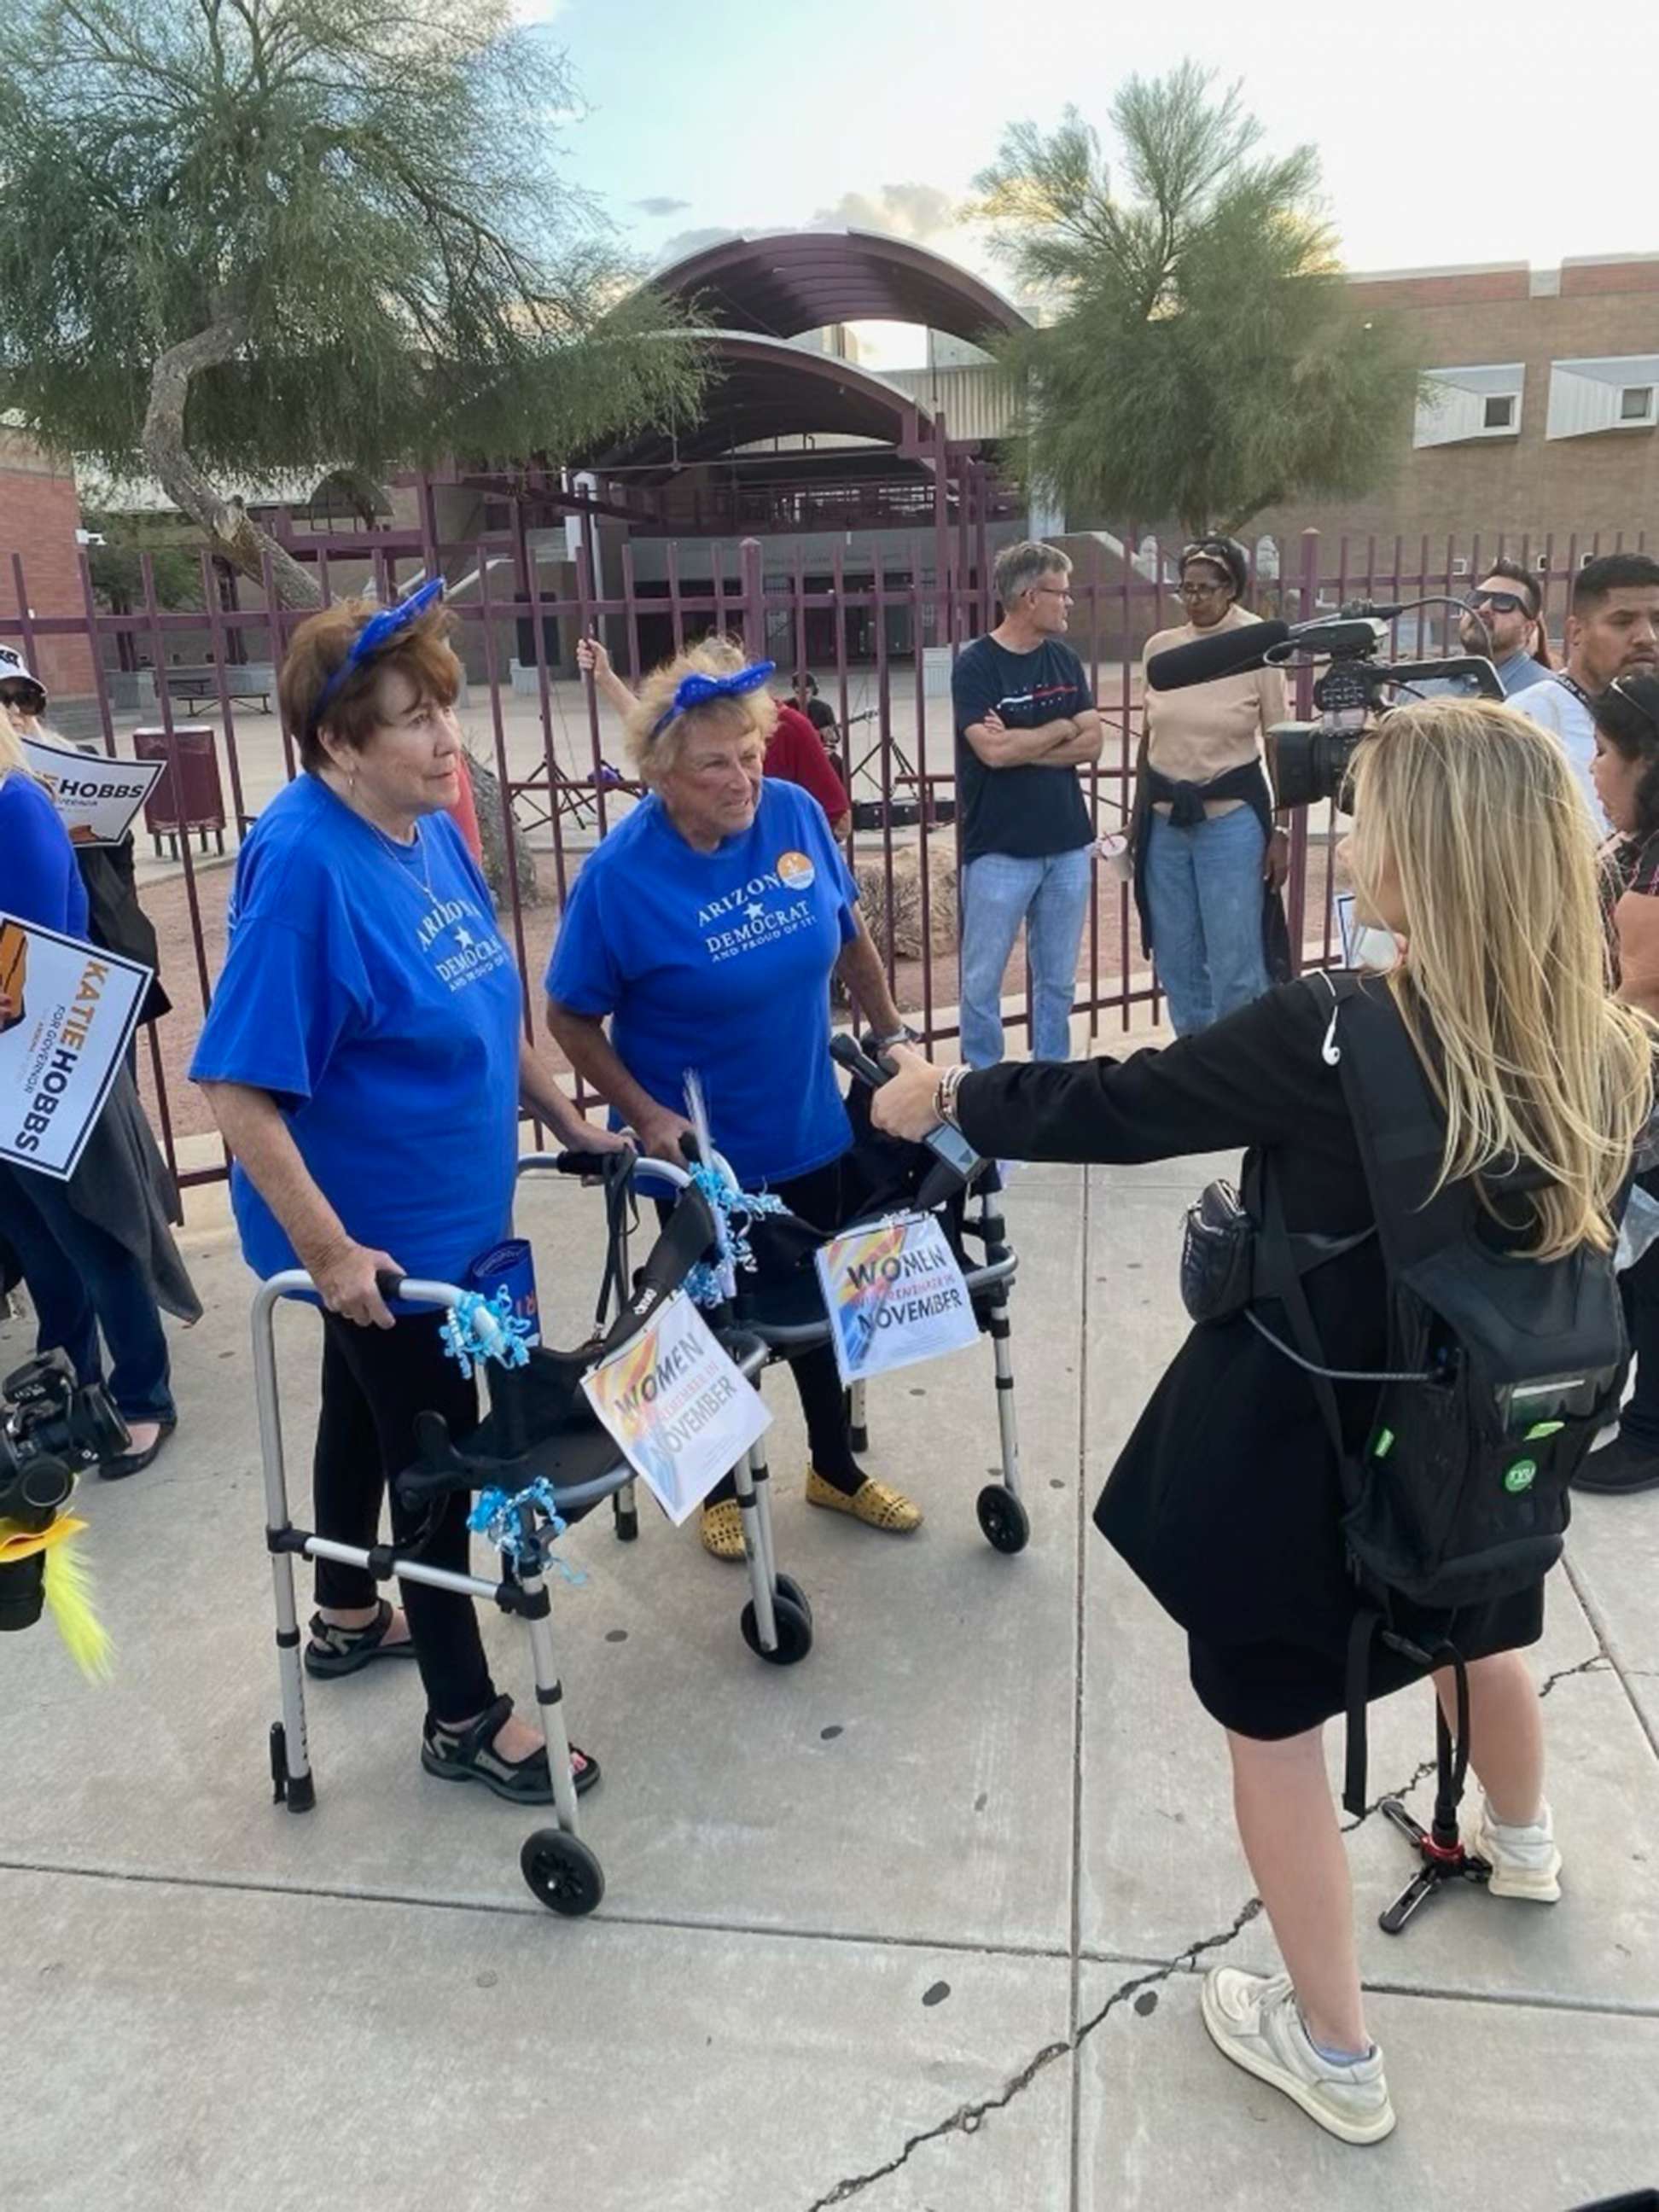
pixel 52 1426
pixel 1312 760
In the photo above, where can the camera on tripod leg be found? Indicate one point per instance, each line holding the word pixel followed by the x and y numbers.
pixel 53 1425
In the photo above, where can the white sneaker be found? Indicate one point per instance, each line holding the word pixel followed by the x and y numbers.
pixel 1524 1862
pixel 1256 2022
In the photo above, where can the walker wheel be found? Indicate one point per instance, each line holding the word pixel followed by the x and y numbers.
pixel 788 1587
pixel 561 1872
pixel 1002 1518
pixel 794 1626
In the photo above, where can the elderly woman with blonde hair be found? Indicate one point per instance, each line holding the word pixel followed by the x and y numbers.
pixel 704 930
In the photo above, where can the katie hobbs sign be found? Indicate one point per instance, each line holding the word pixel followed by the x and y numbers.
pixel 67 1012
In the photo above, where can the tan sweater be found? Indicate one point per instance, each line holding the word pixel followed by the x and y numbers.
pixel 1201 731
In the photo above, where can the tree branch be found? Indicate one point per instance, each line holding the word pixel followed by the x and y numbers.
pixel 231 533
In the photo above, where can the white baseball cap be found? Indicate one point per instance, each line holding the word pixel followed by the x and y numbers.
pixel 15 669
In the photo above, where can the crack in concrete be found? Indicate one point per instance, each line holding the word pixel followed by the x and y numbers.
pixel 967 2119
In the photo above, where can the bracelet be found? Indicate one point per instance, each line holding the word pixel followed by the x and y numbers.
pixel 944 1094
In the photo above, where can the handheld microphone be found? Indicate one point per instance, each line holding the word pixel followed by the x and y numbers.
pixel 1254 644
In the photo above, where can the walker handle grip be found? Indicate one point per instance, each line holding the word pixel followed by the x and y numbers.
pixel 389 1283
pixel 848 1053
pixel 589 1167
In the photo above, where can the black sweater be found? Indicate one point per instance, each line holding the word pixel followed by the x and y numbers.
pixel 1226 1498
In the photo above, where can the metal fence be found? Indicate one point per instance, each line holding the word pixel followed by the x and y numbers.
pixel 879 636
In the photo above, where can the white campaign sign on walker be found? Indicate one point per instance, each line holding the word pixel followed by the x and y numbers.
pixel 96 798
pixel 67 1011
pixel 681 1413
pixel 895 1295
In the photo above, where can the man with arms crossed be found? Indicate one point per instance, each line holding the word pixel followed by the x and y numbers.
pixel 1025 721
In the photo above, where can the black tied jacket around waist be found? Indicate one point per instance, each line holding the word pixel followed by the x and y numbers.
pixel 1227 1500
pixel 1185 802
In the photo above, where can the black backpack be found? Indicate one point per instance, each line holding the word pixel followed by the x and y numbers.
pixel 1500 1369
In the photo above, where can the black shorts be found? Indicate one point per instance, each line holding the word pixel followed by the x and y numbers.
pixel 1269 1691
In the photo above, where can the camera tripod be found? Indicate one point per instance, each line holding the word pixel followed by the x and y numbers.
pixel 1440 1846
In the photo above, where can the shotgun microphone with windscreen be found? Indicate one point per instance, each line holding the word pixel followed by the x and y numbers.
pixel 1260 645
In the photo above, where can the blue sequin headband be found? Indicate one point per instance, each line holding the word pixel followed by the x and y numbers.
pixel 698 690
pixel 376 633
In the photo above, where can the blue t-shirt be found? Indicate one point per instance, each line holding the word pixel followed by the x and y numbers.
pixel 40 881
pixel 721 962
pixel 384 1017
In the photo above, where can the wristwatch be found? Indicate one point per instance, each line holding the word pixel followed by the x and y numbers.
pixel 905 1036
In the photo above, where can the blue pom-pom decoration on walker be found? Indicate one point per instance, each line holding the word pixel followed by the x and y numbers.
pixel 479 1329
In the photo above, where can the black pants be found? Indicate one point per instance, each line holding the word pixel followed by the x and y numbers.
pixel 1638 1425
pixel 816 1198
pixel 375 1381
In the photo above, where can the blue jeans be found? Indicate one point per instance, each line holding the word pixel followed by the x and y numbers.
pixel 1204 899
pixel 1051 896
pixel 80 1278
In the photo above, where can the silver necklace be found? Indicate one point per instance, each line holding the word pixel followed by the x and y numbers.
pixel 394 851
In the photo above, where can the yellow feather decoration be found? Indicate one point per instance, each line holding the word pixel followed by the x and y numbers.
pixel 69 1601
pixel 68 1589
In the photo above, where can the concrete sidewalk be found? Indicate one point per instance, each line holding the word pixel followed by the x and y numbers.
pixel 915 1925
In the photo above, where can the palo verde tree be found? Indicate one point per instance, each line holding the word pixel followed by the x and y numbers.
pixel 244 237
pixel 1199 357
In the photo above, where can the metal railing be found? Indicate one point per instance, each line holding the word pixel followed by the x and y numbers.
pixel 880 639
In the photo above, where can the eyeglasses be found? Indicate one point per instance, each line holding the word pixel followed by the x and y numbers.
pixel 1055 592
pixel 1501 603
pixel 1622 684
pixel 376 634
pixel 1203 591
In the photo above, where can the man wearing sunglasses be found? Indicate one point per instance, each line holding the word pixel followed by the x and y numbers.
pixel 1613 630
pixel 1503 626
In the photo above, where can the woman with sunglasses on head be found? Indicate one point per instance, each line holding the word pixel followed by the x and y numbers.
pixel 1626 774
pixel 1209 858
pixel 705 930
pixel 365 1060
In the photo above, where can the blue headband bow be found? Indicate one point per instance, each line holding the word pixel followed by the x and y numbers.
pixel 376 633
pixel 698 690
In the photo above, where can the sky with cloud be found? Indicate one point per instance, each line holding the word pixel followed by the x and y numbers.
pixel 1445 136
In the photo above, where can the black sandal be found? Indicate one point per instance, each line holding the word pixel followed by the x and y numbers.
pixel 336 1650
pixel 467 1754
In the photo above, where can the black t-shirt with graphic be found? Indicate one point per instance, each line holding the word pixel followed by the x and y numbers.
pixel 1029 811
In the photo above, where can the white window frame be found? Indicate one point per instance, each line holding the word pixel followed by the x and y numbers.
pixel 1453 411
pixel 1587 395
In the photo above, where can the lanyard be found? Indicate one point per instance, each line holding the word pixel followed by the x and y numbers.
pixel 1576 688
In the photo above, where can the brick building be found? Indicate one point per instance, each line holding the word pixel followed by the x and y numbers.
pixel 1542 415
pixel 39 517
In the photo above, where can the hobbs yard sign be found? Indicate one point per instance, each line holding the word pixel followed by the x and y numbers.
pixel 895 1295
pixel 67 1012
pixel 96 798
pixel 680 1410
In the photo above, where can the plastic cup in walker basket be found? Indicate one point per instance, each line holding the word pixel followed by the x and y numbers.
pixel 511 1266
